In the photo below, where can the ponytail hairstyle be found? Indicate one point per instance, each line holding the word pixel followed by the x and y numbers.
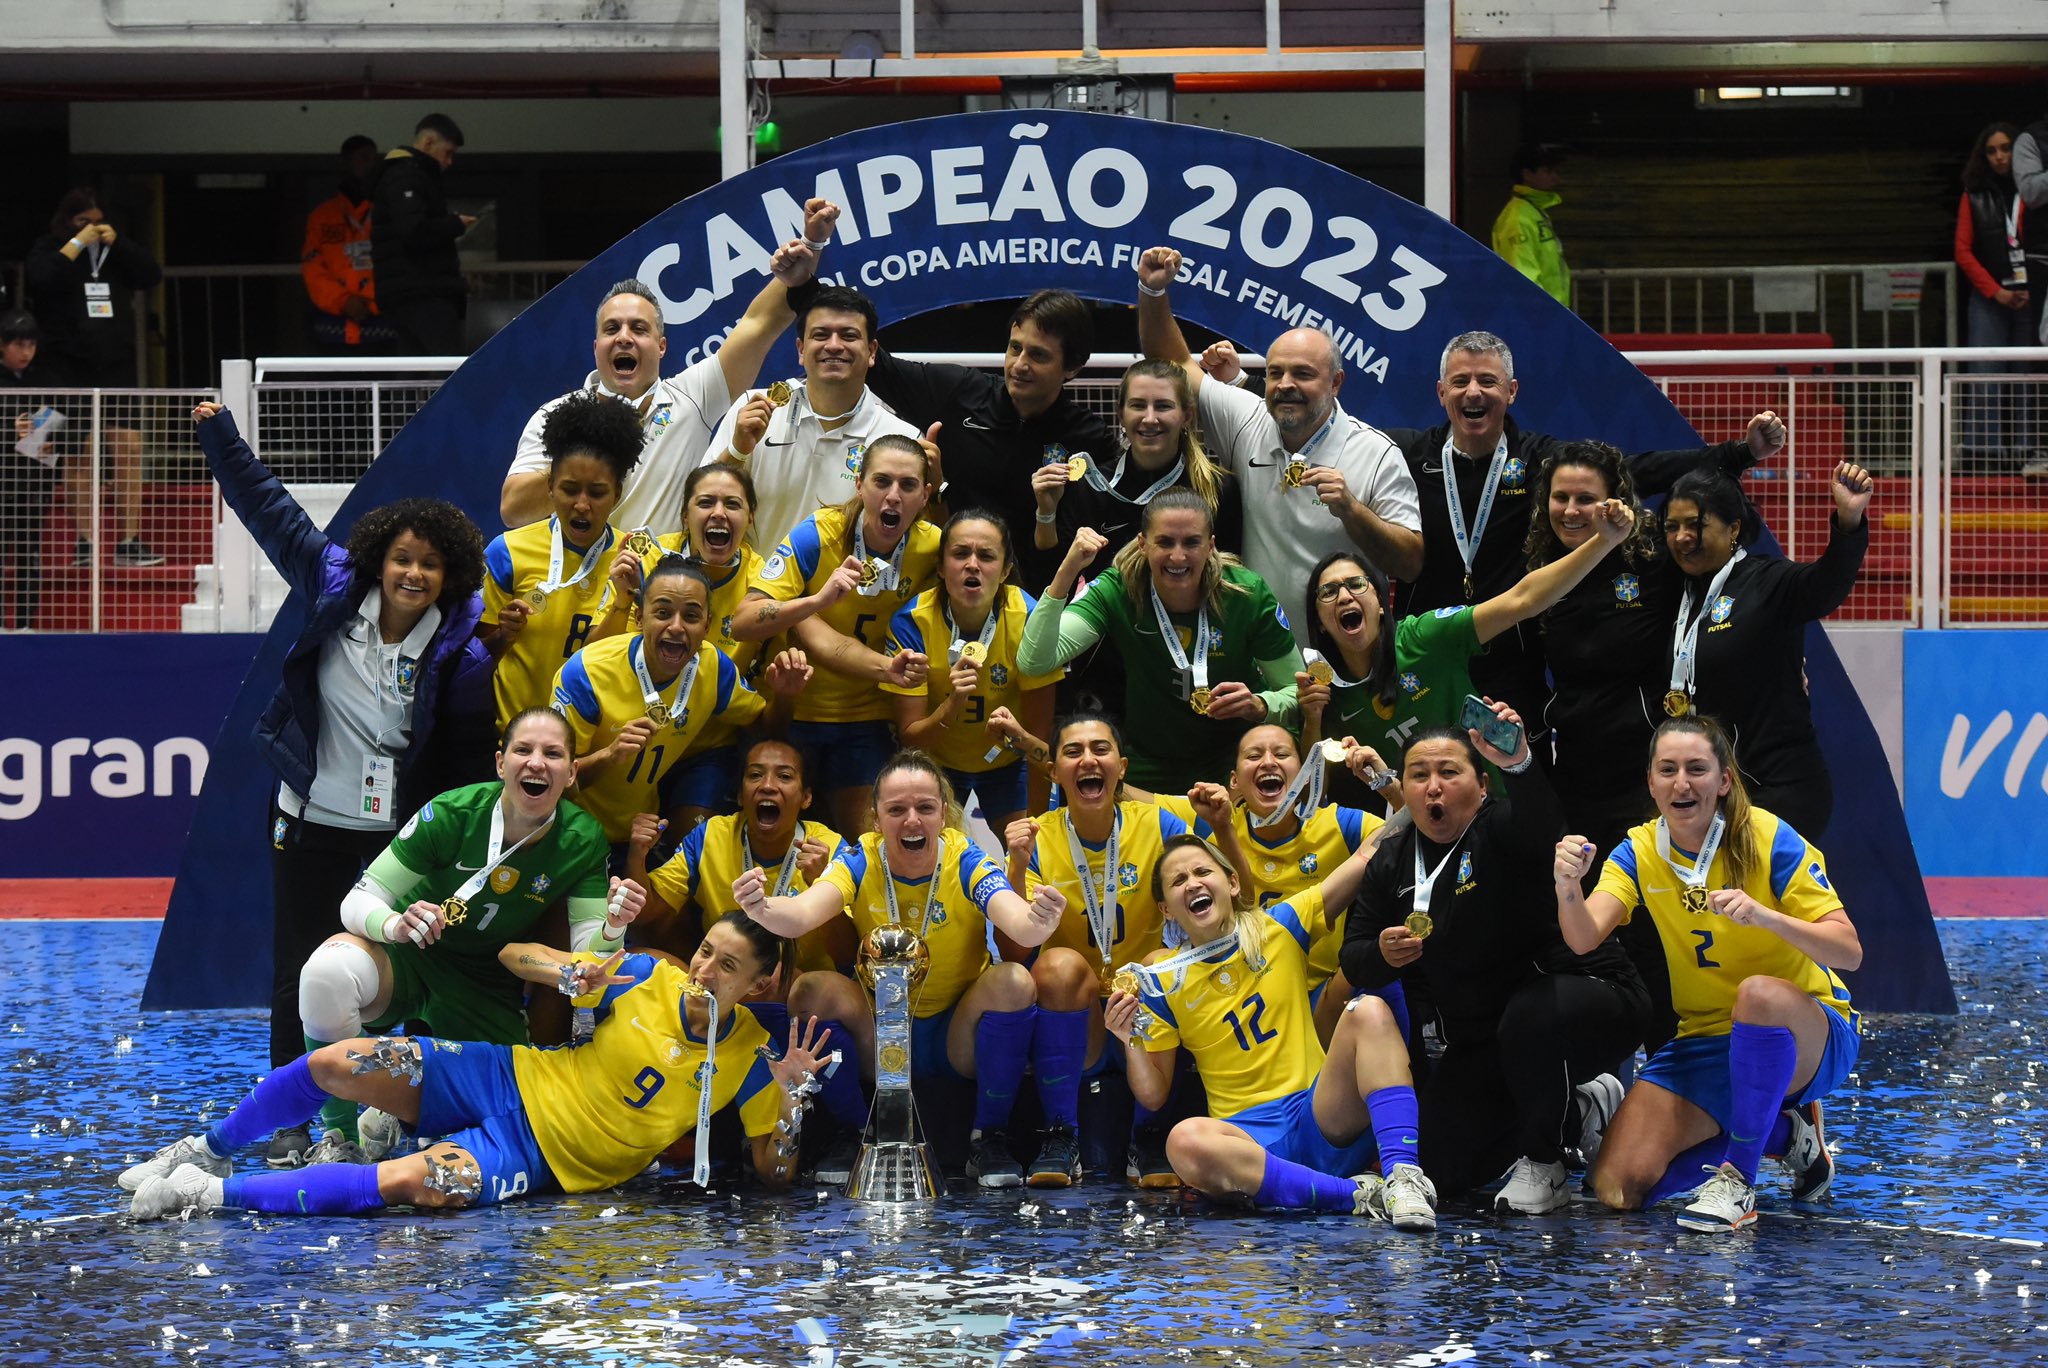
pixel 1203 475
pixel 1713 492
pixel 671 565
pixel 1109 724
pixel 1738 841
pixel 1542 546
pixel 1383 677
pixel 1136 572
pixel 911 761
pixel 1246 912
pixel 771 950
pixel 889 444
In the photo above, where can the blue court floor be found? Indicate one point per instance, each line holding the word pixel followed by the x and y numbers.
pixel 1930 1251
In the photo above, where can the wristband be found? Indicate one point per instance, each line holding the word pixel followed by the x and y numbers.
pixel 1149 292
pixel 738 457
pixel 815 245
pixel 1047 519
pixel 76 243
pixel 1522 768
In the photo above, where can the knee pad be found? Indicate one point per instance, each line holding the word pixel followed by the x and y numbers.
pixel 337 983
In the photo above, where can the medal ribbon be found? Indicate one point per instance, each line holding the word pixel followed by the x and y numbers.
pixel 96 257
pixel 1307 780
pixel 1107 484
pixel 1222 948
pixel 1703 863
pixel 1100 903
pixel 988 629
pixel 475 882
pixel 1685 637
pixel 1468 541
pixel 591 557
pixel 1308 448
pixel 931 894
pixel 784 880
pixel 1425 883
pixel 679 711
pixel 1199 671
pixel 700 1170
pixel 890 577
pixel 1310 655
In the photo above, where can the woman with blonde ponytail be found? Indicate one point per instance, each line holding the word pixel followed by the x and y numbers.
pixel 1753 934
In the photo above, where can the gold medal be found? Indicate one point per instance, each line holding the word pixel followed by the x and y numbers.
pixel 780 393
pixel 1077 468
pixel 642 544
pixel 1333 751
pixel 692 988
pixel 658 713
pixel 1199 701
pixel 1108 978
pixel 1321 671
pixel 1468 586
pixel 1695 899
pixel 870 574
pixel 973 652
pixel 1125 980
pixel 454 910
pixel 1419 925
pixel 1293 474
pixel 1676 704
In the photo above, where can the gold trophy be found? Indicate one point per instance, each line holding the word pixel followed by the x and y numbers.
pixel 895 1163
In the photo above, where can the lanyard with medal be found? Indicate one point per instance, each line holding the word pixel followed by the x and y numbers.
pixel 455 907
pixel 700 1168
pixel 1695 879
pixel 1295 473
pixel 1685 640
pixel 538 595
pixel 1107 484
pixel 1100 901
pixel 931 892
pixel 1193 676
pixel 1418 920
pixel 1167 974
pixel 663 714
pixel 785 879
pixel 1305 794
pixel 877 575
pixel 974 652
pixel 1468 541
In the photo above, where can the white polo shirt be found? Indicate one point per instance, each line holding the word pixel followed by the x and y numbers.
pixel 678 426
pixel 1286 531
pixel 799 467
pixel 366 693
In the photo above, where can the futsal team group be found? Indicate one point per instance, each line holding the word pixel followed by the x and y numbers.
pixel 1402 816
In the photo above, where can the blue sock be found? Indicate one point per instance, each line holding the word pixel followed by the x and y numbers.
pixel 1761 1062
pixel 337 1113
pixel 841 1092
pixel 1059 1056
pixel 1288 1184
pixel 1395 1116
pixel 1686 1171
pixel 288 1097
pixel 1002 1047
pixel 322 1190
pixel 1396 999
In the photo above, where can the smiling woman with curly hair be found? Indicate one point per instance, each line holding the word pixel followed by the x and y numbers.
pixel 387 658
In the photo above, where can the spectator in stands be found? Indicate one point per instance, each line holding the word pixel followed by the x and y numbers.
pixel 28 471
pixel 2030 178
pixel 804 452
pixel 1523 235
pixel 997 433
pixel 83 276
pixel 387 666
pixel 1990 222
pixel 1315 479
pixel 421 293
pixel 335 261
pixel 680 414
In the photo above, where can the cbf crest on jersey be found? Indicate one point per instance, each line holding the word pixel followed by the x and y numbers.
pixel 1514 476
pixel 1308 863
pixel 998 674
pixel 1627 589
pixel 1723 606
pixel 1465 869
pixel 853 455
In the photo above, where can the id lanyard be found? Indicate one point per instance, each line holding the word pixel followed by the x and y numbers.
pixel 1694 879
pixel 955 648
pixel 1468 541
pixel 1685 638
pixel 1307 780
pixel 1192 676
pixel 676 714
pixel 556 555
pixel 785 880
pixel 890 575
pixel 495 855
pixel 1101 904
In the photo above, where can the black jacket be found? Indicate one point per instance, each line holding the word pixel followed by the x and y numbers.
pixel 412 232
pixel 87 350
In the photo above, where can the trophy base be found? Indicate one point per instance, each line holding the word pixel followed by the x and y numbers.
pixel 894 1171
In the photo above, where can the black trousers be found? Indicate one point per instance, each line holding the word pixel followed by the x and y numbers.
pixel 312 867
pixel 429 325
pixel 1490 1102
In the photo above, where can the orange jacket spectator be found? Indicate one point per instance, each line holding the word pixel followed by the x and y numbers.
pixel 336 263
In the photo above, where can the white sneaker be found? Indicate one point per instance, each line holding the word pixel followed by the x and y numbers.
pixel 1369 1196
pixel 380 1133
pixel 1410 1199
pixel 1533 1188
pixel 1806 1158
pixel 1726 1203
pixel 1599 1099
pixel 336 1148
pixel 166 1161
pixel 187 1191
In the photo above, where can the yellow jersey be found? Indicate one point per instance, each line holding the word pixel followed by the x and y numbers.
pixel 701 872
pixel 600 694
pixel 1281 869
pixel 1251 1031
pixel 922 627
pixel 1141 838
pixel 956 933
pixel 1708 955
pixel 801 565
pixel 729 584
pixel 601 1111
pixel 513 565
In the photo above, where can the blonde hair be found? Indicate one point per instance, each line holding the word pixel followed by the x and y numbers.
pixel 910 761
pixel 1204 476
pixel 1136 572
pixel 1738 841
pixel 1244 906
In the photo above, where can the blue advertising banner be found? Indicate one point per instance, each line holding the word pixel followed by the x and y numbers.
pixel 1976 769
pixel 103 775
pixel 992 206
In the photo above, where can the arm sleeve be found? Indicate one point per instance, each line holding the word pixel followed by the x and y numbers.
pixel 288 537
pixel 905 636
pixel 1966 251
pixel 587 929
pixel 1514 243
pixel 1531 820
pixel 2028 171
pixel 721 436
pixel 403 217
pixel 1656 471
pixel 1052 636
pixel 982 877
pixel 1373 910
pixel 327 291
pixel 1618 879
pixel 498 578
pixel 575 698
pixel 784 574
pixel 1799 877
pixel 529 457
pixel 1820 586
pixel 367 907
pixel 917 390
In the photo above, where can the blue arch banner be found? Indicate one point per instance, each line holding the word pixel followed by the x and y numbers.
pixel 975 207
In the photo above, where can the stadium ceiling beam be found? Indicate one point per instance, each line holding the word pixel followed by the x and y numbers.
pixel 1053 64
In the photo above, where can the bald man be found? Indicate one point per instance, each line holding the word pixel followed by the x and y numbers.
pixel 1314 479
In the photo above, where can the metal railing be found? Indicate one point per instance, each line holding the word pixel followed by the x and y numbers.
pixel 1888 304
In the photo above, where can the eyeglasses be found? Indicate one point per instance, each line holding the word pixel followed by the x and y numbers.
pixel 1356 584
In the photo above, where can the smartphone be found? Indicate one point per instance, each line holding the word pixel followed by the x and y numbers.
pixel 1502 735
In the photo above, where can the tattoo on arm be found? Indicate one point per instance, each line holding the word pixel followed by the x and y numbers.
pixel 768 612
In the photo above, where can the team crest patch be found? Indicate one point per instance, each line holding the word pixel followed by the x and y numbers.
pixel 1515 474
pixel 1814 871
pixel 1053 452
pixel 541 884
pixel 725 627
pixel 404 671
pixel 447 1046
pixel 1411 683
pixel 277 832
pixel 661 419
pixel 998 674
pixel 1627 588
pixel 1127 875
pixel 853 455
pixel 1308 863
pixel 1723 606
pixel 938 913
pixel 1281 614
pixel 1465 867
pixel 503 879
pixel 1216 638
pixel 426 812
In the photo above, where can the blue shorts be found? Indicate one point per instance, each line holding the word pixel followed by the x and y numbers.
pixel 1696 1068
pixel 469 1096
pixel 928 1044
pixel 842 755
pixel 1001 790
pixel 709 779
pixel 1286 1128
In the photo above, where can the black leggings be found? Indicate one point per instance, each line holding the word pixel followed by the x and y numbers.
pixel 1556 1032
pixel 312 867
